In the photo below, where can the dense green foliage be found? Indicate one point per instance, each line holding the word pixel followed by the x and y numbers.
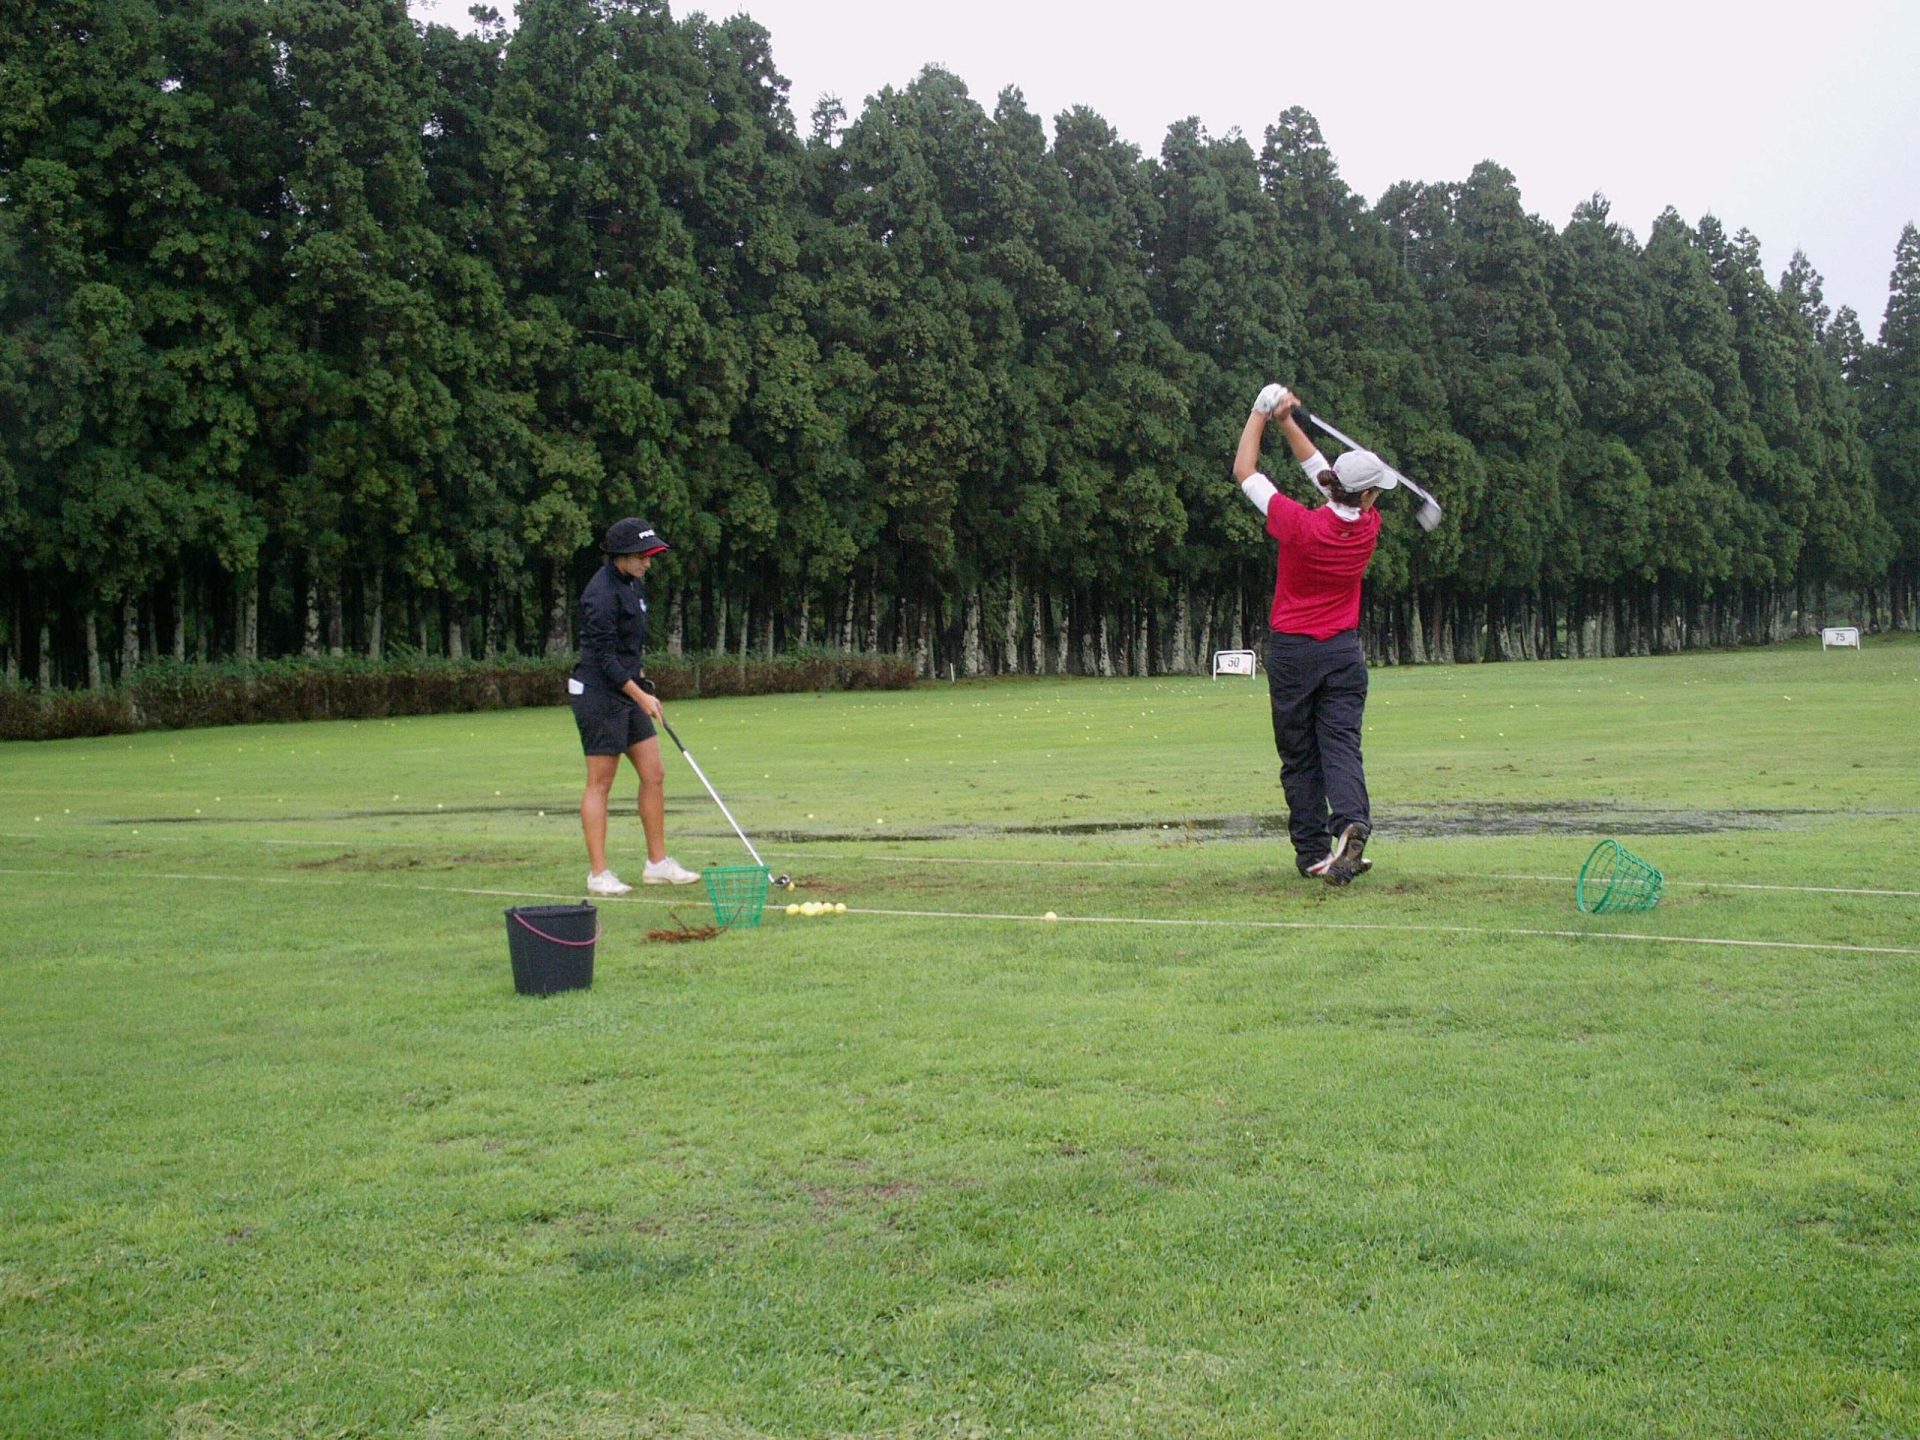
pixel 319 329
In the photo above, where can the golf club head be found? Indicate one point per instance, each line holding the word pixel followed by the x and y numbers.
pixel 783 882
pixel 1428 515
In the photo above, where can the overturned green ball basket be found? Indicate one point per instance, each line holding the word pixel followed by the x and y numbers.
pixel 1614 878
pixel 738 893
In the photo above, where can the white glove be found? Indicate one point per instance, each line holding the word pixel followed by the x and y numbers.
pixel 1269 398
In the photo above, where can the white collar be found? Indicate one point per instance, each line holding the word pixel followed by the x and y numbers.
pixel 1347 513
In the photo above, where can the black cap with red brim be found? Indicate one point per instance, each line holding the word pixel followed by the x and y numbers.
pixel 633 536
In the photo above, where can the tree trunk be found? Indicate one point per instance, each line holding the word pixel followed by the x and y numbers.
pixel 806 617
pixel 205 632
pixel 336 621
pixel 557 638
pixel 1038 600
pixel 973 651
pixel 310 632
pixel 1010 627
pixel 248 621
pixel 376 614
pixel 43 680
pixel 766 631
pixel 677 627
pixel 129 638
pixel 456 632
pixel 93 650
pixel 1437 639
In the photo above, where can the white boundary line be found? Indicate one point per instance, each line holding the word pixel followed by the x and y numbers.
pixel 1401 929
pixel 1142 920
pixel 796 857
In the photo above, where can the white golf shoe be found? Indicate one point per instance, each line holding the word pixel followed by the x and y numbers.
pixel 669 872
pixel 607 883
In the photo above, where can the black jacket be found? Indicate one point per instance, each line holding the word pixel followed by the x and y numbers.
pixel 613 631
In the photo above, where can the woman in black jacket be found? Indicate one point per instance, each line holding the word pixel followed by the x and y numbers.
pixel 614 714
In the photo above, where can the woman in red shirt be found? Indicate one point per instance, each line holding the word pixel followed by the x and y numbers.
pixel 1316 670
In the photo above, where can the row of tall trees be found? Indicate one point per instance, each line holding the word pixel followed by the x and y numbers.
pixel 322 331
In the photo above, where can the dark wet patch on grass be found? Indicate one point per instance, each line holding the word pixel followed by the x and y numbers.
pixel 1463 819
pixel 1398 823
pixel 353 860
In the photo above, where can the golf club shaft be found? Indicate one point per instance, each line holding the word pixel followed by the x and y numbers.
pixel 1352 444
pixel 714 793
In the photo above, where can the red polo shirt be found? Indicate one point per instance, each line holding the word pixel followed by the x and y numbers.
pixel 1316 590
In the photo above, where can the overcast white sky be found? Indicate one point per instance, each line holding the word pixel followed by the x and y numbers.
pixel 1799 122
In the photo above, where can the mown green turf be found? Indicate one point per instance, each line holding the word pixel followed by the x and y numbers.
pixel 284 1154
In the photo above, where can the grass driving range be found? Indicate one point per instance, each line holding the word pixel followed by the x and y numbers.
pixel 1436 1155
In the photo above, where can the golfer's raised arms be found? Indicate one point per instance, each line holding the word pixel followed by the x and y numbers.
pixel 1304 450
pixel 1274 402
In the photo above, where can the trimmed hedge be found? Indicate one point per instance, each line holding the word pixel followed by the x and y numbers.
pixel 171 696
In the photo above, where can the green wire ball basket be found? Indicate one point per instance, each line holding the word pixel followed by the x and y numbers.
pixel 738 893
pixel 1614 879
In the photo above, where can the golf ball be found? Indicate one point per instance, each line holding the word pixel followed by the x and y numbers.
pixel 793 909
pixel 839 907
pixel 1049 916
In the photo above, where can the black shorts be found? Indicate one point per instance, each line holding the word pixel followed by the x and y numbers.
pixel 609 724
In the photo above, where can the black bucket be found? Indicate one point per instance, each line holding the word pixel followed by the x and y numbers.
pixel 552 947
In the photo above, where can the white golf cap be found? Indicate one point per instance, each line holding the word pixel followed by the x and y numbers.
pixel 1363 470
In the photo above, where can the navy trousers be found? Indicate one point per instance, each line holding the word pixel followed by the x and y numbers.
pixel 1319 693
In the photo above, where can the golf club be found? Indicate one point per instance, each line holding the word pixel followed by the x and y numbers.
pixel 1429 512
pixel 783 881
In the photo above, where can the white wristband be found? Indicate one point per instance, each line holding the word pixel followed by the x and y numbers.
pixel 1259 490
